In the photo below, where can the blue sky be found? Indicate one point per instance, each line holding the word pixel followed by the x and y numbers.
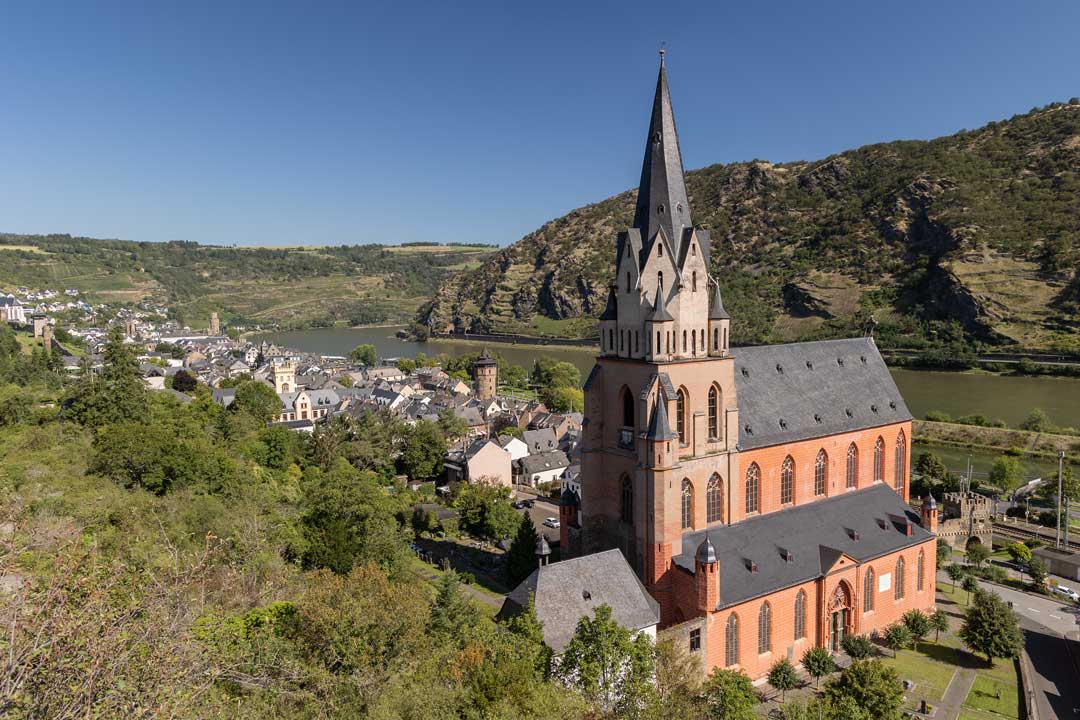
pixel 323 122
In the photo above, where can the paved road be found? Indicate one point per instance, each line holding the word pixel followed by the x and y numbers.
pixel 540 511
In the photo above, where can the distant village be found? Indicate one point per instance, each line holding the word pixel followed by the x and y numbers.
pixel 508 439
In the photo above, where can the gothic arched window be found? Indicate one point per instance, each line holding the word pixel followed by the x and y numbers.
pixel 731 641
pixel 714 500
pixel 627 408
pixel 901 462
pixel 821 472
pixel 919 571
pixel 800 615
pixel 879 460
pixel 753 488
pixel 626 507
pixel 680 415
pixel 764 629
pixel 868 590
pixel 898 589
pixel 693 281
pixel 714 413
pixel 852 465
pixel 787 481
pixel 687 505
pixel 628 282
pixel 684 341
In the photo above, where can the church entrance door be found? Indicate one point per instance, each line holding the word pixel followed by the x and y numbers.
pixel 837 624
pixel 839 616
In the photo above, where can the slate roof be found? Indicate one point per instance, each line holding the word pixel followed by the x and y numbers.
pixel 659 312
pixel 541 440
pixel 566 591
pixel 542 462
pixel 611 309
pixel 716 307
pixel 816 534
pixel 805 390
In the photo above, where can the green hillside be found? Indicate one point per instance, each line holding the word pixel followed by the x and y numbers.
pixel 286 287
pixel 974 236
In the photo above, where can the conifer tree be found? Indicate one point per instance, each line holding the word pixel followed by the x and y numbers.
pixel 521 558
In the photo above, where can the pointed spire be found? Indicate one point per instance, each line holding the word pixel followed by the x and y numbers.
pixel 659 427
pixel 542 550
pixel 716 309
pixel 611 310
pixel 662 200
pixel 660 313
pixel 931 504
pixel 706 553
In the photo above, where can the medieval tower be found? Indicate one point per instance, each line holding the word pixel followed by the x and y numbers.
pixel 486 375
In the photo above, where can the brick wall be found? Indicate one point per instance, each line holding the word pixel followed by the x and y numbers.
pixel 819 594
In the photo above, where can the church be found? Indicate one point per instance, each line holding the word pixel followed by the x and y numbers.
pixel 760 494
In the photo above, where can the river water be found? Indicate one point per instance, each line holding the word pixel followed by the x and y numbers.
pixel 996 396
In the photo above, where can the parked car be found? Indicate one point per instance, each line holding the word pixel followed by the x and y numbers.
pixel 529 503
pixel 520 504
pixel 1067 592
pixel 552 522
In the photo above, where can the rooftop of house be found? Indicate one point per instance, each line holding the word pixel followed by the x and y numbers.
pixel 566 591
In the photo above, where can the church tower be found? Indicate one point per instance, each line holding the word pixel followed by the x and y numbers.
pixel 661 421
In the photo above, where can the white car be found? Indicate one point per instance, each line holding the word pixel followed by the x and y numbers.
pixel 1067 592
pixel 552 522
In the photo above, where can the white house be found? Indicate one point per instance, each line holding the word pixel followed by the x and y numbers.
pixel 515 446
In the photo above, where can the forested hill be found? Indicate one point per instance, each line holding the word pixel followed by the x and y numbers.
pixel 285 287
pixel 974 236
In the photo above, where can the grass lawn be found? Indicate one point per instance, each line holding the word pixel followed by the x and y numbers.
pixel 991 695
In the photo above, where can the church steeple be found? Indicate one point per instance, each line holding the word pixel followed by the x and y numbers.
pixel 662 201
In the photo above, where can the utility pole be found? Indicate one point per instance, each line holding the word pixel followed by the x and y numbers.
pixel 1057 535
pixel 1061 461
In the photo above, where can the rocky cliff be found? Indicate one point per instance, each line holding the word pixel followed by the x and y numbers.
pixel 973 236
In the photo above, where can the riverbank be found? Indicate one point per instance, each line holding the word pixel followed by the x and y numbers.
pixel 519 341
pixel 998 440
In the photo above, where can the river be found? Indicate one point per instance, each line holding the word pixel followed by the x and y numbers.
pixel 996 396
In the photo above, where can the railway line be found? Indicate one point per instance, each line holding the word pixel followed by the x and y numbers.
pixel 1017 531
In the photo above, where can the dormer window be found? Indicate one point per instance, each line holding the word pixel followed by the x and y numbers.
pixel 660 209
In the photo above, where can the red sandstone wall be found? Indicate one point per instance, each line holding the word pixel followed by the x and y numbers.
pixel 819 593
pixel 771 459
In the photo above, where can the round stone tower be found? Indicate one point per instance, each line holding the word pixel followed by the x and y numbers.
pixel 486 375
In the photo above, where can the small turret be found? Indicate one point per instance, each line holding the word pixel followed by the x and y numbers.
pixel 928 514
pixel 659 329
pixel 609 324
pixel 719 324
pixel 659 437
pixel 707 576
pixel 543 550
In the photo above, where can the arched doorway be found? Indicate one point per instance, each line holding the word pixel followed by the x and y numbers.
pixel 839 617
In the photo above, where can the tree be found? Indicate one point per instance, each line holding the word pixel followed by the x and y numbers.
pixel 1037 570
pixel 1019 552
pixel 678 681
pixel 955 572
pixel 729 695
pixel 944 552
pixel 858 647
pixel 1036 421
pixel 1007 473
pixel 451 612
pixel 872 685
pixel 258 400
pixel 939 623
pixel 897 637
pixel 485 511
pixel 782 677
pixel 977 553
pixel 348 520
pixel 118 395
pixel 365 355
pixel 931 466
pixel 563 399
pixel 606 664
pixel 918 625
pixel 423 451
pixel 971 587
pixel 991 628
pixel 184 382
pixel 451 425
pixel 818 662
pixel 528 626
pixel 521 559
